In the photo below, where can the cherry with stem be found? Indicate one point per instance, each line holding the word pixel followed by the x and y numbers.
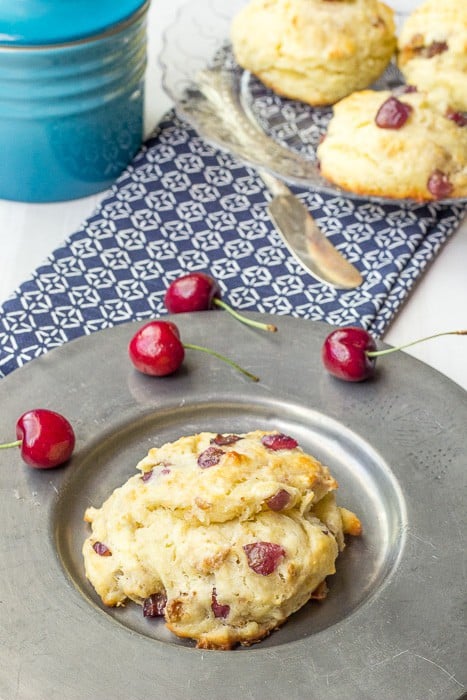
pixel 198 291
pixel 350 353
pixel 209 351
pixel 46 438
pixel 157 350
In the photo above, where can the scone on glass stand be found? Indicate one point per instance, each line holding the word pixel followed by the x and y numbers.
pixel 225 536
pixel 395 145
pixel 316 51
pixel 432 51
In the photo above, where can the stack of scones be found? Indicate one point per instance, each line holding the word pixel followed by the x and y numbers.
pixel 408 143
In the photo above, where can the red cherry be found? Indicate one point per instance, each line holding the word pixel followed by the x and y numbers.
pixel 350 353
pixel 156 349
pixel 198 291
pixel 344 354
pixel 46 438
pixel 193 292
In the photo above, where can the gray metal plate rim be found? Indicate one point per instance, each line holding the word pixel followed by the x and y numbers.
pixel 396 643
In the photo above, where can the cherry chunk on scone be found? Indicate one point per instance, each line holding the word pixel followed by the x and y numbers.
pixel 432 51
pixel 401 145
pixel 223 536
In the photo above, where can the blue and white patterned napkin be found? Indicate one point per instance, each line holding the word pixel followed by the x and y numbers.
pixel 183 205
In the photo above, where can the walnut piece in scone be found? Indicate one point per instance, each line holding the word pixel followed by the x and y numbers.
pixel 225 536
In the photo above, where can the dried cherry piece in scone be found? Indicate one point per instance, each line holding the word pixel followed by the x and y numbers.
pixel 435 48
pixel 418 47
pixel 101 549
pixel 404 90
pixel 279 441
pixel 459 118
pixel 279 501
pixel 210 457
pixel 392 114
pixel 224 439
pixel 439 185
pixel 164 469
pixel 218 610
pixel 264 557
pixel 154 605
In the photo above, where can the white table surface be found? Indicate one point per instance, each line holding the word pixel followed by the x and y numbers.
pixel 29 232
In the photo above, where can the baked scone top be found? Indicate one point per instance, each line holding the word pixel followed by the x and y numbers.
pixel 365 158
pixel 209 478
pixel 433 50
pixel 314 50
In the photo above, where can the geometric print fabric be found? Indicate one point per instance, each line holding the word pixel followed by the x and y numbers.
pixel 184 205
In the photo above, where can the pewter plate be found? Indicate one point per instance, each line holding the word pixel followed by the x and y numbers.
pixel 234 111
pixel 391 625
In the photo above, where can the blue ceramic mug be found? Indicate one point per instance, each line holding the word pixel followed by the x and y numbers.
pixel 71 95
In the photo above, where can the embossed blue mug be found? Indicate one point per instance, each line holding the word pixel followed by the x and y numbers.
pixel 71 95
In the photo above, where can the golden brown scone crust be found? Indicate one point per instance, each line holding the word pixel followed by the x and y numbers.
pixel 191 534
pixel 361 157
pixel 433 51
pixel 316 51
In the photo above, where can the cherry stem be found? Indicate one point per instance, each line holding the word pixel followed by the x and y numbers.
pixel 378 353
pixel 190 346
pixel 243 319
pixel 16 443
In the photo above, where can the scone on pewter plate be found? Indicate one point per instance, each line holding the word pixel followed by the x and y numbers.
pixel 396 146
pixel 223 535
pixel 433 51
pixel 316 51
